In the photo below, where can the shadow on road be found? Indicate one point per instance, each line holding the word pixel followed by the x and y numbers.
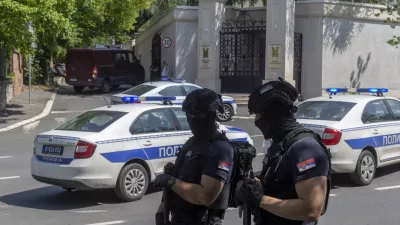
pixel 387 170
pixel 57 199
pixel 9 111
pixel 69 91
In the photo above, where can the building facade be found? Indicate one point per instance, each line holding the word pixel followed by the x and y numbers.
pixel 315 44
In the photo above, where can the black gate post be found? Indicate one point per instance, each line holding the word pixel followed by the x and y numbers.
pixel 298 59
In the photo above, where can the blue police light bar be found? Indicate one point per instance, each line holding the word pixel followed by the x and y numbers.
pixel 373 90
pixel 136 99
pixel 336 90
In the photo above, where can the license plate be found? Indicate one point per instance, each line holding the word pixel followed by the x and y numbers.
pixel 52 150
pixel 73 79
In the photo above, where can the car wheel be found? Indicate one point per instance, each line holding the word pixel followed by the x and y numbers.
pixel 365 169
pixel 78 90
pixel 132 183
pixel 105 88
pixel 226 115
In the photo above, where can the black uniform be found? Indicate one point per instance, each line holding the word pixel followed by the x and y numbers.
pixel 296 153
pixel 305 159
pixel 212 158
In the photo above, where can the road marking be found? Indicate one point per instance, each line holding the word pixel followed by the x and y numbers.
pixel 258 135
pixel 30 127
pixel 5 178
pixel 44 113
pixel 6 157
pixel 332 195
pixel 387 188
pixel 260 153
pixel 90 211
pixel 60 112
pixel 109 223
pixel 243 117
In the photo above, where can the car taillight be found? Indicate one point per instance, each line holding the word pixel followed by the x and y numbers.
pixel 84 150
pixel 331 136
pixel 94 71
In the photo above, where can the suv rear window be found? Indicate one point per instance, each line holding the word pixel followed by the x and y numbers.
pixel 92 121
pixel 323 110
pixel 139 90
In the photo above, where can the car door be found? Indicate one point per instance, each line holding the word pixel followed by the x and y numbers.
pixel 394 140
pixel 121 62
pixel 175 91
pixel 157 134
pixel 379 121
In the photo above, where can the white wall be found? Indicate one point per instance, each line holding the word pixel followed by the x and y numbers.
pixel 186 51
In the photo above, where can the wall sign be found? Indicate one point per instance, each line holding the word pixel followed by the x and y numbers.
pixel 275 56
pixel 166 42
pixel 205 56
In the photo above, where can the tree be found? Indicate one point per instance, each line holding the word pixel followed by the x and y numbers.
pixel 392 13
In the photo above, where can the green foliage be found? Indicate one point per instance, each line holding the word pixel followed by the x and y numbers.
pixel 392 14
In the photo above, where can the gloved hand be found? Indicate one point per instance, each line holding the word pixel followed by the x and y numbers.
pixel 162 180
pixel 170 169
pixel 249 193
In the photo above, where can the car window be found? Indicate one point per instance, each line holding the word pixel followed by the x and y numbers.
pixel 323 110
pixel 181 115
pixel 172 91
pixel 132 58
pixel 120 58
pixel 139 90
pixel 153 121
pixel 92 121
pixel 395 106
pixel 189 88
pixel 375 112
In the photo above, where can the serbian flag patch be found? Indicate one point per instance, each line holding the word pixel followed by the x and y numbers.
pixel 308 164
pixel 224 166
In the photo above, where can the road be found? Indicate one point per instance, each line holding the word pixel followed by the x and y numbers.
pixel 23 201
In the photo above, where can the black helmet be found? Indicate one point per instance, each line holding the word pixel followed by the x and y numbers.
pixel 201 102
pixel 273 91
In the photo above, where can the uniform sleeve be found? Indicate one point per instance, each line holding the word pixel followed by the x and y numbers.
pixel 308 159
pixel 219 162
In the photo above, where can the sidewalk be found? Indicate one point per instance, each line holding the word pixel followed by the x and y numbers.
pixel 19 108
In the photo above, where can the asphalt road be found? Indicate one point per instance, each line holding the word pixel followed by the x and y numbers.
pixel 23 201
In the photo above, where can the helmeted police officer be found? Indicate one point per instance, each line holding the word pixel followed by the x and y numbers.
pixel 203 165
pixel 294 184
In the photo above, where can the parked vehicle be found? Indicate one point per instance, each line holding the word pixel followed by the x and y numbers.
pixel 102 68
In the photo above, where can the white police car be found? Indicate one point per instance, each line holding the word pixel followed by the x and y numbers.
pixel 178 88
pixel 361 131
pixel 120 146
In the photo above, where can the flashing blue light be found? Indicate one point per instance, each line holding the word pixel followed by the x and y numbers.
pixel 130 99
pixel 336 90
pixel 373 90
pixel 164 78
pixel 136 99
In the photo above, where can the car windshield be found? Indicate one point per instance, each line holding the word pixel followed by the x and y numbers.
pixel 92 121
pixel 323 110
pixel 139 90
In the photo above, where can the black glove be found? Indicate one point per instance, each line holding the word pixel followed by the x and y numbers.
pixel 170 169
pixel 163 180
pixel 249 193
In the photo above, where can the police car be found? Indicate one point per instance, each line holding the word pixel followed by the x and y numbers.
pixel 174 87
pixel 361 130
pixel 120 146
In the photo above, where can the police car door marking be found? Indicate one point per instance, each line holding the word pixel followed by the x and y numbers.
pixel 375 141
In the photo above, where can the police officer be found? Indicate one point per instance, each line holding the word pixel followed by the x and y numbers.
pixel 203 165
pixel 294 184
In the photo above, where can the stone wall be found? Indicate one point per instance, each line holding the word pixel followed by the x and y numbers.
pixel 17 68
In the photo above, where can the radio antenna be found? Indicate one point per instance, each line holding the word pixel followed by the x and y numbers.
pixel 108 105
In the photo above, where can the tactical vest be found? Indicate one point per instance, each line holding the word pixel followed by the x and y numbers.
pixel 273 182
pixel 189 167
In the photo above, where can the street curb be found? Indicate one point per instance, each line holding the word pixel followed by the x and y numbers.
pixel 243 117
pixel 44 113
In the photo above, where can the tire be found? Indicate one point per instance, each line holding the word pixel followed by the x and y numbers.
pixel 115 86
pixel 106 86
pixel 78 90
pixel 131 171
pixel 365 169
pixel 227 115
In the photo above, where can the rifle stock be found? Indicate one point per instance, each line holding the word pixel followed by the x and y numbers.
pixel 167 205
pixel 246 215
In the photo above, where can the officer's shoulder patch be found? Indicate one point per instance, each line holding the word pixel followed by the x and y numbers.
pixel 224 166
pixel 306 165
